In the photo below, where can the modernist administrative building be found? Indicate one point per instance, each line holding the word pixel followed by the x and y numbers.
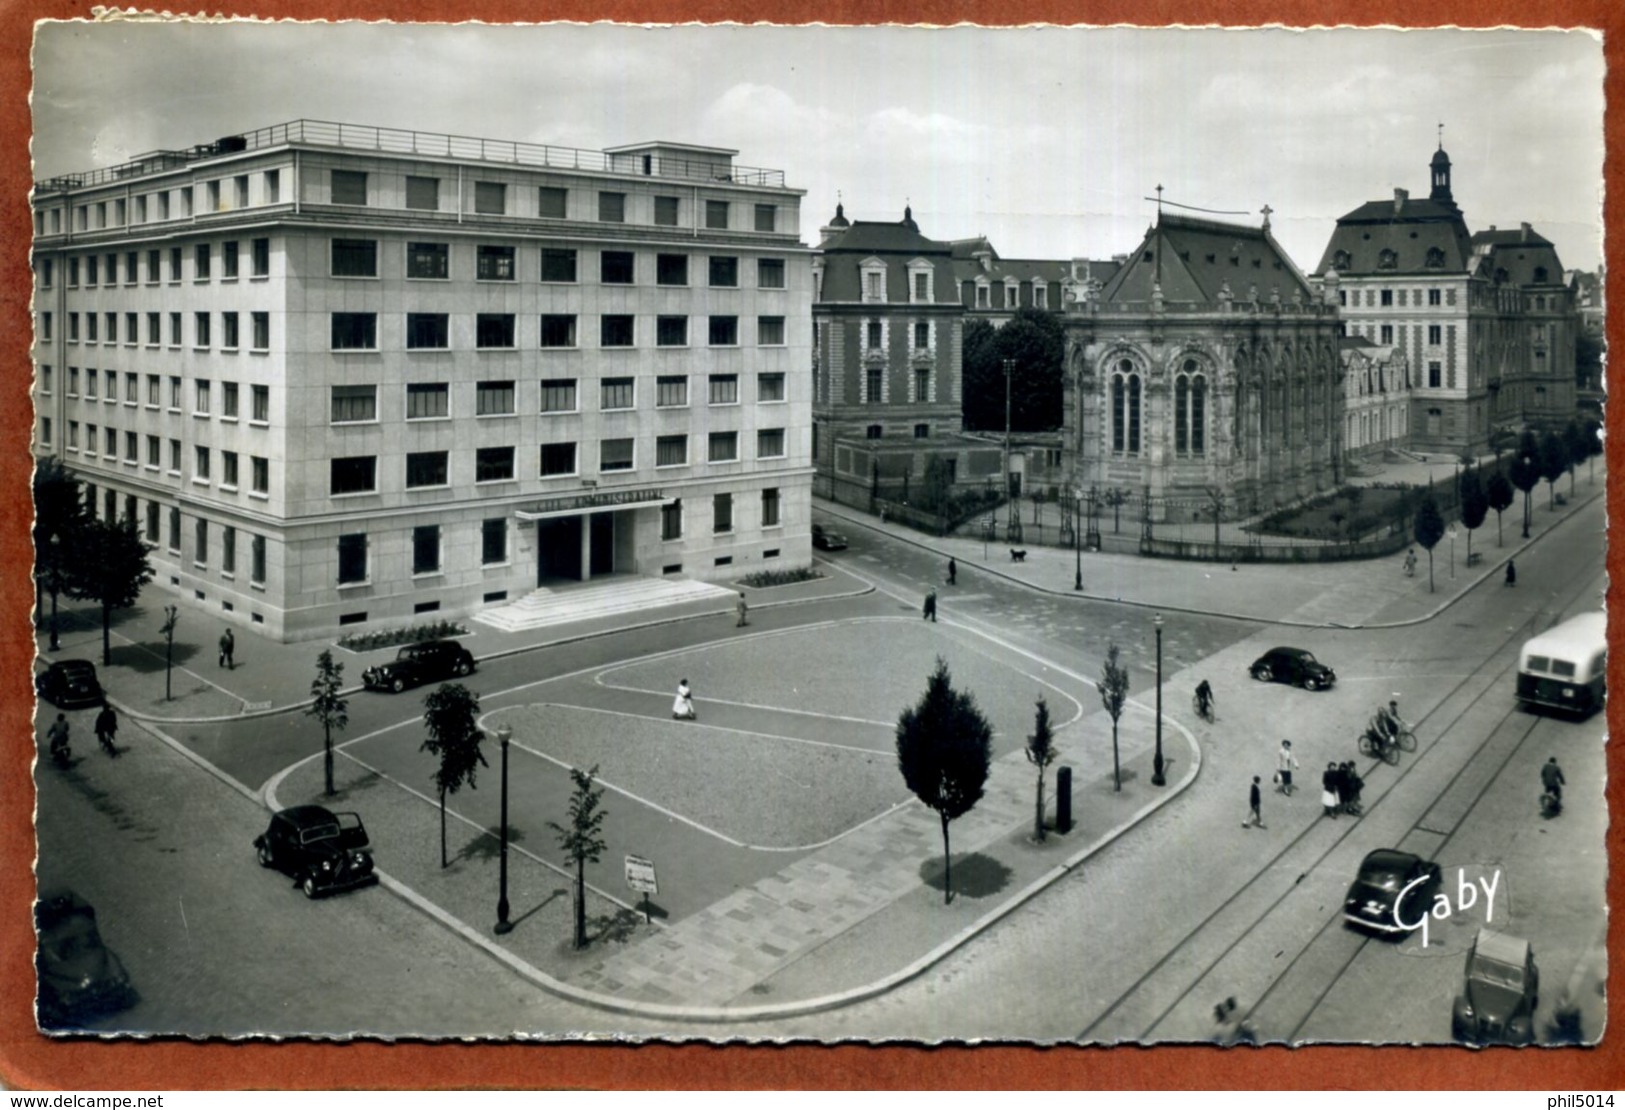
pixel 342 375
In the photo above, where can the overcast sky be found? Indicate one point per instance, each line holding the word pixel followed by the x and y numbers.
pixel 1046 140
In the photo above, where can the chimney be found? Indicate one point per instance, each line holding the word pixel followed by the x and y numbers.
pixel 1523 233
pixel 1400 197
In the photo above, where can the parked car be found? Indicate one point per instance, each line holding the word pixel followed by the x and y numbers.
pixel 69 684
pixel 1502 988
pixel 419 663
pixel 79 977
pixel 1374 898
pixel 323 851
pixel 825 540
pixel 1293 665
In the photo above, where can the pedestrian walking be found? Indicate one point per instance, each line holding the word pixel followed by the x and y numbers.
pixel 107 728
pixel 1551 778
pixel 743 611
pixel 56 738
pixel 953 570
pixel 228 644
pixel 682 708
pixel 1285 762
pixel 1255 814
pixel 1410 563
pixel 1512 573
pixel 930 613
pixel 1328 790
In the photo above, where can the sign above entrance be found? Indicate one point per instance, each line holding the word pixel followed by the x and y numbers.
pixel 592 502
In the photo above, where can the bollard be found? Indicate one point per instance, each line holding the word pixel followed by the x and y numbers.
pixel 1063 800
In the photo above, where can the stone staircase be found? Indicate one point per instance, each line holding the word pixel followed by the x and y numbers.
pixel 604 598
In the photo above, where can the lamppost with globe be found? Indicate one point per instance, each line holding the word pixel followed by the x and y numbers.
pixel 503 925
pixel 1157 778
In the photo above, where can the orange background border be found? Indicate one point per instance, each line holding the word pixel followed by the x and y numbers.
pixel 29 1061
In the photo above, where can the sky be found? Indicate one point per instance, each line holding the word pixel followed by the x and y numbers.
pixel 1047 140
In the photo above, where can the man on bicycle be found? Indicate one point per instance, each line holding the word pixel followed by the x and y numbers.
pixel 1551 777
pixel 1204 700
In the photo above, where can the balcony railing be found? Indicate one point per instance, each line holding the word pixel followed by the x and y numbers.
pixel 390 140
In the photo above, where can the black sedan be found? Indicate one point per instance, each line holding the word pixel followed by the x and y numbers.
pixel 79 977
pixel 825 540
pixel 419 663
pixel 1392 893
pixel 1295 666
pixel 69 684
pixel 323 851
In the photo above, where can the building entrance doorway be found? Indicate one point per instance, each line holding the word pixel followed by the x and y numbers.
pixel 558 550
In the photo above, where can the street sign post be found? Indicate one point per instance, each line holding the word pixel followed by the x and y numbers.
pixel 640 876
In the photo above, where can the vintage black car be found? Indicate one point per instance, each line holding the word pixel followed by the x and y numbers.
pixel 69 684
pixel 79 977
pixel 1392 893
pixel 419 663
pixel 1497 1002
pixel 825 540
pixel 1293 665
pixel 323 851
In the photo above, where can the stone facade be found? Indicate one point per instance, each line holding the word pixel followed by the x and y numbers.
pixel 1377 396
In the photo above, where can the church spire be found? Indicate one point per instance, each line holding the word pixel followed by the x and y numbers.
pixel 1440 168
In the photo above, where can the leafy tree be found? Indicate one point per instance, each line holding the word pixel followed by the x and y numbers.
pixel 1578 448
pixel 937 491
pixel 1475 506
pixel 1041 752
pixel 981 379
pixel 1554 460
pixel 110 569
pixel 454 738
pixel 1113 694
pixel 1429 530
pixel 581 839
pixel 333 712
pixel 1525 471
pixel 944 749
pixel 59 517
pixel 1499 493
pixel 172 617
pixel 1035 342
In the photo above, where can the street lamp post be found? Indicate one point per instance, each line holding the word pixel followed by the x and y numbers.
pixel 1156 759
pixel 56 576
pixel 503 925
pixel 1527 463
pixel 1077 542
pixel 1012 523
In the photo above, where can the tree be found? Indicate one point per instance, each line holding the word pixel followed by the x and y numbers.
pixel 333 713
pixel 1475 506
pixel 110 569
pixel 1113 693
pixel 1499 493
pixel 1554 460
pixel 1034 341
pixel 944 749
pixel 1577 448
pixel 1117 496
pixel 172 617
pixel 450 714
pixel 59 517
pixel 1041 752
pixel 938 488
pixel 981 379
pixel 580 839
pixel 1429 530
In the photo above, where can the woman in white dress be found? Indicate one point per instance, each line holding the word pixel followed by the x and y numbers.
pixel 682 708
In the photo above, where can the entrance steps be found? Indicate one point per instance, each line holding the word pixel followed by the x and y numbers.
pixel 624 594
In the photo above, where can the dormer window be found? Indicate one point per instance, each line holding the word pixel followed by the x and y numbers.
pixel 982 296
pixel 1434 259
pixel 1012 295
pixel 921 282
pixel 1387 260
pixel 1341 260
pixel 874 280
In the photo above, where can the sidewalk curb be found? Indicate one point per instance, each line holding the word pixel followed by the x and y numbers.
pixel 849 515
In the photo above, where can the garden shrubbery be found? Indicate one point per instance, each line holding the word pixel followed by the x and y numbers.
pixel 393 637
pixel 764 579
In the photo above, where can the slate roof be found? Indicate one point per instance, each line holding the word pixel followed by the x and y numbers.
pixel 896 244
pixel 1409 227
pixel 1193 259
pixel 1514 256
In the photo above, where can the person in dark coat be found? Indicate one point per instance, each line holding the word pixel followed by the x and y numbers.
pixel 1512 573
pixel 930 613
pixel 107 728
pixel 744 611
pixel 1551 777
pixel 1254 802
pixel 953 570
pixel 228 644
pixel 1328 790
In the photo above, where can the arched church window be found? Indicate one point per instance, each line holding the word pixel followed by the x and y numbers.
pixel 1435 258
pixel 1190 409
pixel 1387 260
pixel 1125 409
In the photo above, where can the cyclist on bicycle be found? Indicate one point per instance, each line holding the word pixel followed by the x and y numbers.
pixel 1204 700
pixel 1377 731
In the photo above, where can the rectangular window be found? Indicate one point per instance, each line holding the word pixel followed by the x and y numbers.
pixel 256 564
pixel 922 335
pixel 615 331
pixel 200 271
pixel 200 529
pixel 493 399
pixel 615 393
pixel 93 263
pixel 155 456
pixel 153 267
pixel 153 336
pixel 91 327
pixel 492 263
pixel 724 389
pixel 558 264
pixel 723 271
pixel 493 330
pixel 873 384
pixel 355 331
pixel 493 464
pixel 353 557
pixel 1435 374
pixel 671 391
pixel 1387 334
pixel 228 330
pixel 428 261
pixel 671 269
pixel 922 386
pixel 260 396
pixel 228 260
pixel 558 459
pixel 92 376
pixel 175 393
pixel 493 541
pixel 615 454
pixel 228 550
pixel 770 273
pixel 423 193
pixel 356 474
pixel 559 395
pixel 724 331
pixel 427 401
pixel 45 326
pixel 262 330
pixel 558 331
pixel 174 264
pixel 174 454
pixel 671 450
pixel 260 473
pixel 770 507
pixel 429 331
pixel 112 327
pixel 73 272
pixel 770 331
pixel 200 469
pixel 874 335
pixel 426 549
pixel 262 257
pixel 671 520
pixel 45 431
pixel 765 217
pixel 228 397
pixel 427 468
pixel 666 211
pixel 723 447
pixel 716 214
pixel 722 512
pixel 354 404
pixel 151 534
pixel 73 326
pixel 349 187
pixel 200 404
pixel 212 197
pixel 490 198
pixel 770 443
pixel 612 208
pixel 671 331
pixel 1435 335
pixel 615 267
pixel 131 333
pixel 551 202
pixel 228 469
pixel 174 529
pixel 1433 298
pixel 175 329
pixel 273 186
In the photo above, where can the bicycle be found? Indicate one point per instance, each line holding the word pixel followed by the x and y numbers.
pixel 1203 708
pixel 1378 746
